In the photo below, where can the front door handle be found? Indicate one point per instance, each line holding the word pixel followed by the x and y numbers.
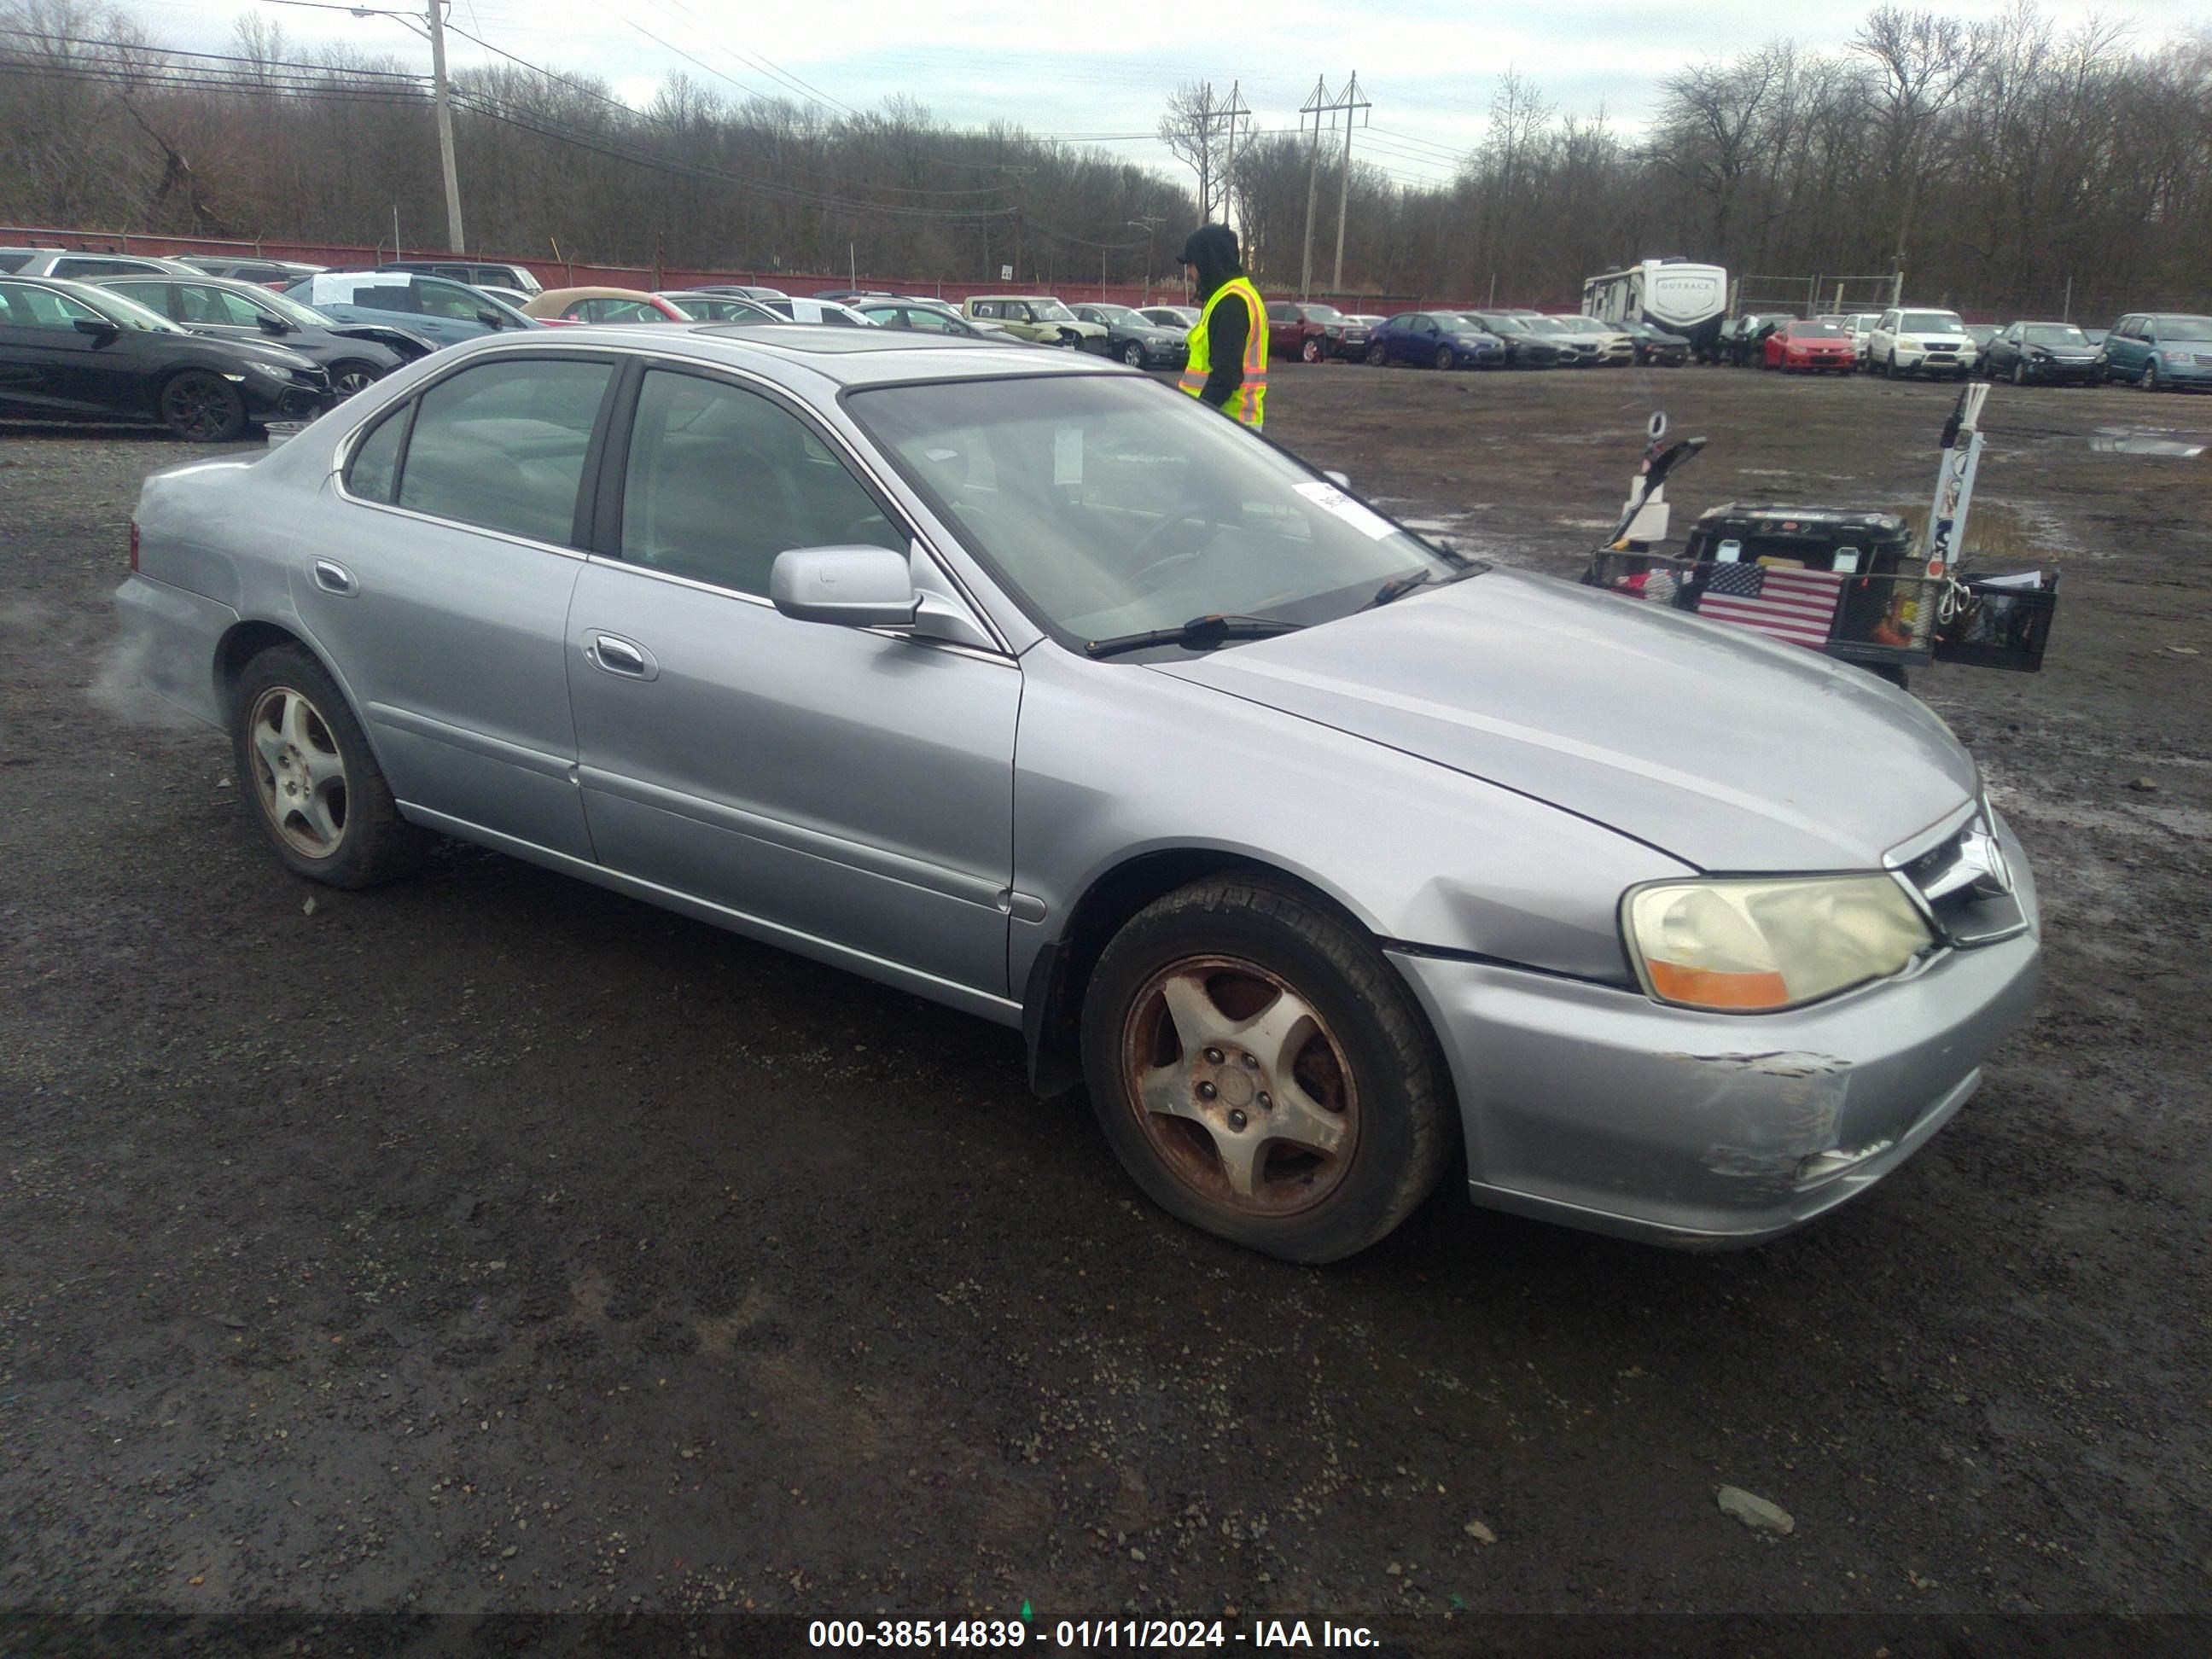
pixel 617 655
pixel 334 578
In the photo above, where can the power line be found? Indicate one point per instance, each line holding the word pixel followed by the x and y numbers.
pixel 806 89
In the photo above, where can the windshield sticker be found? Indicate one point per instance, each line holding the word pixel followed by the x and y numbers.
pixel 1328 497
pixel 1067 455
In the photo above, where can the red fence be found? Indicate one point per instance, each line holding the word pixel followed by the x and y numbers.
pixel 578 273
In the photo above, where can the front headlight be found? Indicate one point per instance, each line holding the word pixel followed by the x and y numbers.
pixel 274 371
pixel 1757 946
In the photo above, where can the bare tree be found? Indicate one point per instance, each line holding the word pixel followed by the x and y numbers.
pixel 1925 64
pixel 1191 128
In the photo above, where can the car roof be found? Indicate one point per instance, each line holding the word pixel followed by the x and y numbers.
pixel 562 295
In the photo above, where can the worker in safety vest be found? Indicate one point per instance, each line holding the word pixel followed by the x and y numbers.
pixel 1228 365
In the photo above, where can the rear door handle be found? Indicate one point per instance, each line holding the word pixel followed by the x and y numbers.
pixel 617 655
pixel 334 578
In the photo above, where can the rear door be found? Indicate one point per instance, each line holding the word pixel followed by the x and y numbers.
pixel 441 592
pixel 820 784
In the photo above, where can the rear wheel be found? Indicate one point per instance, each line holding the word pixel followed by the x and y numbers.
pixel 305 771
pixel 353 375
pixel 1376 356
pixel 203 407
pixel 1310 351
pixel 1262 1073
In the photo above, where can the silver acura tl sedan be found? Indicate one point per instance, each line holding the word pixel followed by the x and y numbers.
pixel 1323 859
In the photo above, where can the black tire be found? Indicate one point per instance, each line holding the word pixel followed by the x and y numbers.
pixel 373 843
pixel 1889 366
pixel 1392 1090
pixel 2019 372
pixel 1133 355
pixel 353 375
pixel 1376 356
pixel 2150 377
pixel 1311 351
pixel 1445 357
pixel 203 407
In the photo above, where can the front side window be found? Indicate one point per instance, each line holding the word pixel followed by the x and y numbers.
pixel 1107 506
pixel 501 446
pixel 442 299
pixel 199 302
pixel 25 306
pixel 721 479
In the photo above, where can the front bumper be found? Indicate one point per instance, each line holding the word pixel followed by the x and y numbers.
pixel 1607 1111
pixel 2052 373
pixel 2195 370
pixel 1910 361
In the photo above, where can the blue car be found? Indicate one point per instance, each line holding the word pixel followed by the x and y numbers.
pixel 446 313
pixel 1441 339
pixel 2159 349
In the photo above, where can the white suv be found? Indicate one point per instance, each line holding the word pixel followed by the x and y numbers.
pixel 1921 343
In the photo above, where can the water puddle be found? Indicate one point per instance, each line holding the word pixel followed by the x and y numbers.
pixel 1996 531
pixel 2128 440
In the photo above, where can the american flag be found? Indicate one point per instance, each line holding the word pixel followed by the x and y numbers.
pixel 1796 606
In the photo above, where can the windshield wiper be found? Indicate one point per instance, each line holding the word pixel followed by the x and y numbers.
pixel 1398 586
pixel 1199 630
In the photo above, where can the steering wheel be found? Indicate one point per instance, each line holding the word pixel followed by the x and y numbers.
pixel 1151 538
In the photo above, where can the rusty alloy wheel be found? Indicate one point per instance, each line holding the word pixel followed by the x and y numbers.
pixel 1240 1087
pixel 298 774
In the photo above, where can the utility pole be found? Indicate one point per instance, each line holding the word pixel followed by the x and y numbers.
pixel 446 129
pixel 1230 112
pixel 1352 100
pixel 1148 224
pixel 1313 106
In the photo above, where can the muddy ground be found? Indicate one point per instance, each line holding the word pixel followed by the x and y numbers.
pixel 492 1243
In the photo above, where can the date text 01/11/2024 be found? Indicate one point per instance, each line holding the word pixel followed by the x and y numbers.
pixel 1084 1633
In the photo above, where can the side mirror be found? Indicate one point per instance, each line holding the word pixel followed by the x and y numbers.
pixel 273 324
pixel 1341 480
pixel 852 586
pixel 99 327
pixel 491 320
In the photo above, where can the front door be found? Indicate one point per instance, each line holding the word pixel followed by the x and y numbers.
pixel 839 790
pixel 439 588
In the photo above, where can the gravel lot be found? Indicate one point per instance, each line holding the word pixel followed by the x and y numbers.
pixel 491 1243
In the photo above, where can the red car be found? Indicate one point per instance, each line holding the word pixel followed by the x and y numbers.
pixel 1817 347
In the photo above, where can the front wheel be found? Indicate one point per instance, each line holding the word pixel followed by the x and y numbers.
pixel 203 407
pixel 351 376
pixel 1310 351
pixel 1133 355
pixel 308 778
pixel 1889 368
pixel 1262 1073
pixel 2150 377
pixel 2019 372
pixel 1444 359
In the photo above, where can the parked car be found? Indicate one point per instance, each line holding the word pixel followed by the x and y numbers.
pixel 514 296
pixel 603 304
pixel 1981 334
pixel 471 272
pixel 1909 342
pixel 1860 324
pixel 72 351
pixel 1499 930
pixel 1135 340
pixel 2042 354
pixel 1040 318
pixel 1298 329
pixel 2158 350
pixel 1809 346
pixel 721 307
pixel 1436 339
pixel 918 317
pixel 270 273
pixel 1576 349
pixel 1654 346
pixel 74 266
pixel 1183 317
pixel 1521 346
pixel 804 308
pixel 743 290
pixel 1743 340
pixel 443 312
pixel 353 355
pixel 1368 320
pixel 1616 345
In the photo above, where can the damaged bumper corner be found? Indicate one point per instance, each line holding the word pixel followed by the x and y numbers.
pixel 1602 1108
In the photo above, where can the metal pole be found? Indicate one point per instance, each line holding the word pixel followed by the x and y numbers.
pixel 1313 178
pixel 446 130
pixel 396 253
pixel 1343 185
pixel 2066 315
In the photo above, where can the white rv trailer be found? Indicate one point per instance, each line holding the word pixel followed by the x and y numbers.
pixel 1685 299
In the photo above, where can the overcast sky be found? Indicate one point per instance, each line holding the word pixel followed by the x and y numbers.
pixel 1090 72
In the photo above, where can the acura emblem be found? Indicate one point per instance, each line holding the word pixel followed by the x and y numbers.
pixel 1978 852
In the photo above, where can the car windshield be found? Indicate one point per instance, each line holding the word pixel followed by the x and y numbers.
pixel 1050 311
pixel 1111 507
pixel 1547 325
pixel 288 307
pixel 1121 314
pixel 2184 328
pixel 1499 324
pixel 1819 330
pixel 2053 334
pixel 131 314
pixel 1932 322
pixel 1323 314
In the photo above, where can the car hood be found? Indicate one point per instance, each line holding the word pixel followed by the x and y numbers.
pixel 1725 750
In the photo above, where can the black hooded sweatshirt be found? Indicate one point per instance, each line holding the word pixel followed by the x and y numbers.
pixel 1212 249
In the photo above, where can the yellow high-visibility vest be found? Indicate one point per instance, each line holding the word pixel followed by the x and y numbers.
pixel 1249 402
